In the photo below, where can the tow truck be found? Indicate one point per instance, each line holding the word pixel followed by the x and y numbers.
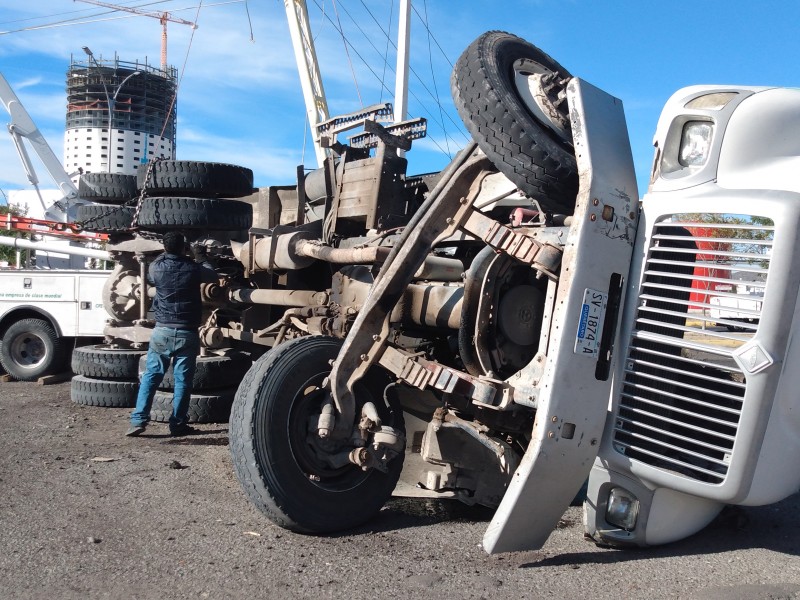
pixel 45 312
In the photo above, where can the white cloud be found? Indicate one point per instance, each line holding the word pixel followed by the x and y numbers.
pixel 26 83
pixel 240 101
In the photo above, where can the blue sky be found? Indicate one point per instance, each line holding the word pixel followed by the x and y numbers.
pixel 240 99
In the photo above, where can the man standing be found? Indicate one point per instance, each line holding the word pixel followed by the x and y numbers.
pixel 178 310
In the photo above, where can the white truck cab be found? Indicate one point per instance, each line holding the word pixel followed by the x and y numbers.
pixel 700 417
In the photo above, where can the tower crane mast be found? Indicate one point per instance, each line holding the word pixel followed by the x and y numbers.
pixel 163 18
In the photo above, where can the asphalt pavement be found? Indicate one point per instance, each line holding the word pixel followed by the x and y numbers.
pixel 86 513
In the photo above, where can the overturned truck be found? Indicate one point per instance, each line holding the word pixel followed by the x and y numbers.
pixel 501 331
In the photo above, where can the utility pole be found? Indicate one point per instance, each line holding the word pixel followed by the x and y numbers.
pixel 308 68
pixel 401 83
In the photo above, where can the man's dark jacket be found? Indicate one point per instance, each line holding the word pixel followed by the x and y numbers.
pixel 177 280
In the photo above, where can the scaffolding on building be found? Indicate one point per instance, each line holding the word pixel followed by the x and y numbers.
pixel 146 101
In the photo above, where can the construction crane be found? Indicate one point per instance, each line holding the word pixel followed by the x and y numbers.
pixel 23 128
pixel 311 79
pixel 163 17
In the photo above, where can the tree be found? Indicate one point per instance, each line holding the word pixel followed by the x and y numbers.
pixel 8 253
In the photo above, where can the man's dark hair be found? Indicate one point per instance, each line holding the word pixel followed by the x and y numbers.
pixel 173 242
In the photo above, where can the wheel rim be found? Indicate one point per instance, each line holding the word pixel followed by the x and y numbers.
pixel 28 350
pixel 543 93
pixel 307 447
pixel 121 293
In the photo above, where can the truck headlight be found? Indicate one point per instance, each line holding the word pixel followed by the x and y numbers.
pixel 695 143
pixel 622 509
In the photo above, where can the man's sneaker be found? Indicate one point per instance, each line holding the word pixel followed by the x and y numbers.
pixel 136 430
pixel 182 431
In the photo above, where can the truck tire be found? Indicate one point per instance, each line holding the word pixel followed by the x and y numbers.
pixel 31 349
pixel 159 213
pixel 103 392
pixel 102 361
pixel 105 218
pixel 507 93
pixel 276 460
pixel 111 188
pixel 211 372
pixel 204 407
pixel 200 179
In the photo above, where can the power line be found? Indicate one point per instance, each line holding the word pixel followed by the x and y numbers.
pixel 434 96
pixel 71 12
pixel 386 50
pixel 419 79
pixel 349 61
pixel 433 77
pixel 425 24
pixel 91 18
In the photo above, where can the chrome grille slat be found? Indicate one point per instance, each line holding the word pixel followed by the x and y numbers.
pixel 688 387
pixel 681 397
pixel 679 438
pixel 672 422
pixel 709 319
pixel 645 363
pixel 713 334
pixel 656 442
pixel 713 265
pixel 698 278
pixel 678 343
pixel 719 253
pixel 684 466
pixel 688 361
pixel 683 411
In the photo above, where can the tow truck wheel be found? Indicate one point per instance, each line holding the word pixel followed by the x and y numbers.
pixel 511 97
pixel 279 458
pixel 31 349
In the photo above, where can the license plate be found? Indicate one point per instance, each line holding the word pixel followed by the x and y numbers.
pixel 591 323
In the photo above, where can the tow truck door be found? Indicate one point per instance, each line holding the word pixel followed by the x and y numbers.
pixel 576 383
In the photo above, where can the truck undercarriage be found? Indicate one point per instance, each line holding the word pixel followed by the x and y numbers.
pixel 453 333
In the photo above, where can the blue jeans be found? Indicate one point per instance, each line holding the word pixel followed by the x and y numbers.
pixel 181 346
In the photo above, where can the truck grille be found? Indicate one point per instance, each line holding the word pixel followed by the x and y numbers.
pixel 699 301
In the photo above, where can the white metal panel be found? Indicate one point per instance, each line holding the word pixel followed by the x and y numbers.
pixel 58 294
pixel 92 315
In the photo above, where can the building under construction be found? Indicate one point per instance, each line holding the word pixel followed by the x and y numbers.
pixel 119 115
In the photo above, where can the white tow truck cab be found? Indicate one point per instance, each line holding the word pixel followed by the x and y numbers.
pixel 699 417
